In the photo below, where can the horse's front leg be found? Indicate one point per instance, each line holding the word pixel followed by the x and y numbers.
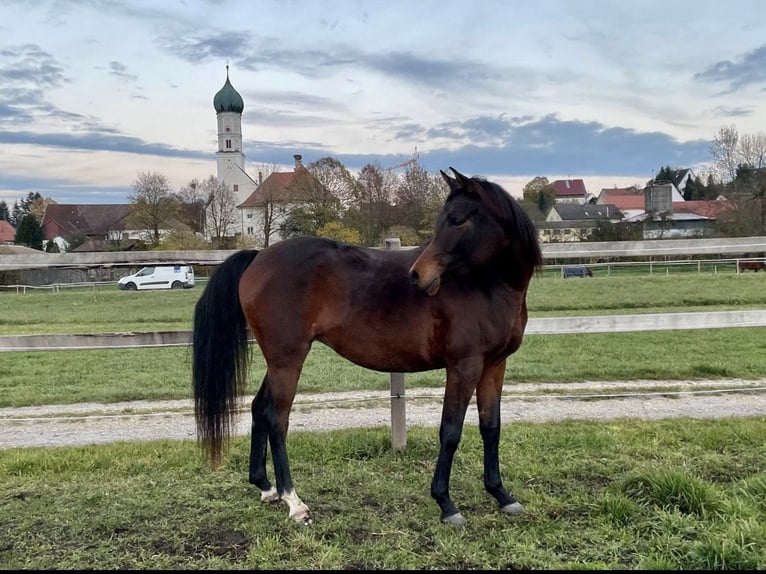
pixel 259 434
pixel 461 382
pixel 488 395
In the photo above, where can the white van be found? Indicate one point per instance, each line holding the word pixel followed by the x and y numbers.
pixel 159 277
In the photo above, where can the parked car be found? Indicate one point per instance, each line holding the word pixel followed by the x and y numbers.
pixel 159 277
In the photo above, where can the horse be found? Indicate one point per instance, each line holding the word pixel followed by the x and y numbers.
pixel 754 265
pixel 457 302
pixel 577 271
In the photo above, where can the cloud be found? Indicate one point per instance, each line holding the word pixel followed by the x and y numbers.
pixel 31 65
pixel 120 70
pixel 105 141
pixel 749 69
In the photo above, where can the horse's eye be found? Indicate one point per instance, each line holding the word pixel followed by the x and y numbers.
pixel 456 220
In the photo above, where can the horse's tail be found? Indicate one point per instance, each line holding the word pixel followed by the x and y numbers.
pixel 219 354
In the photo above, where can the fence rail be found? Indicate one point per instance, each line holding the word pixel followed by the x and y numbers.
pixel 575 250
pixel 535 326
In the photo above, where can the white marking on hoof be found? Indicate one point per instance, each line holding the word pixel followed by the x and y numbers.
pixel 455 519
pixel 299 512
pixel 514 509
pixel 270 495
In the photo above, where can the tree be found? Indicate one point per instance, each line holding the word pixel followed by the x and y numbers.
pixel 725 152
pixel 371 211
pixel 153 206
pixel 531 191
pixel 538 193
pixel 38 207
pixel 5 213
pixel 29 232
pixel 335 178
pixel 220 209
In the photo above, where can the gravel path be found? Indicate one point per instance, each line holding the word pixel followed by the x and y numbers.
pixel 93 423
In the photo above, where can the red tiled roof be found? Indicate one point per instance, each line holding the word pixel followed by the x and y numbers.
pixel 7 232
pixel 704 207
pixel 281 186
pixel 632 190
pixel 569 188
pixel 623 201
pixel 89 219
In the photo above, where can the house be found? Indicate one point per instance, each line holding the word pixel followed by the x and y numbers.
pixel 570 191
pixel 665 218
pixel 277 196
pixel 574 222
pixel 7 233
pixel 66 223
pixel 101 227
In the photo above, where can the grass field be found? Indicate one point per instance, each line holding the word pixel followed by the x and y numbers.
pixel 676 494
pixel 31 378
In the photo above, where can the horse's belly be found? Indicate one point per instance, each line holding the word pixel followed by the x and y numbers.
pixel 371 351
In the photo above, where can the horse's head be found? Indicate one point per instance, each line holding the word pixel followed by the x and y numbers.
pixel 478 223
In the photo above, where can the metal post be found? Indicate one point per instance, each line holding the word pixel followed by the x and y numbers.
pixel 398 411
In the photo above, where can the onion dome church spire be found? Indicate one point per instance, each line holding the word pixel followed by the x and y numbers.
pixel 228 99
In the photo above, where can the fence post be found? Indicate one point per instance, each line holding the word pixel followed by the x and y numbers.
pixel 398 412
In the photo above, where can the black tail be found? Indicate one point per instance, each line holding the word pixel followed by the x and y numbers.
pixel 219 353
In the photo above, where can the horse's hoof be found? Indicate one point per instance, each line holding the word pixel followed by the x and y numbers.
pixel 455 519
pixel 270 496
pixel 303 519
pixel 513 509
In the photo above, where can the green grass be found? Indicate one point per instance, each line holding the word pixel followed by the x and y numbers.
pixel 677 494
pixel 34 378
pixel 61 377
pixel 88 311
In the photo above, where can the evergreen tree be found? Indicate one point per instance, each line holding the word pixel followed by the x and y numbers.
pixel 5 213
pixel 29 232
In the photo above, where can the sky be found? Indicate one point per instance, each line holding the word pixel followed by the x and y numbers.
pixel 95 92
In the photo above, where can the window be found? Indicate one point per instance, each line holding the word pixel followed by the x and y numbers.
pixel 249 215
pixel 228 144
pixel 236 187
pixel 249 230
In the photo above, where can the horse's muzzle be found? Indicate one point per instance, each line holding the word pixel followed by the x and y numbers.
pixel 429 285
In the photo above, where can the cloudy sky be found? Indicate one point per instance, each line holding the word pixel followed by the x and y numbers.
pixel 94 92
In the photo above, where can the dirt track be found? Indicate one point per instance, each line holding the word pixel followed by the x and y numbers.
pixel 93 423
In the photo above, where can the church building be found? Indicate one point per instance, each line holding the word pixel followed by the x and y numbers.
pixel 262 207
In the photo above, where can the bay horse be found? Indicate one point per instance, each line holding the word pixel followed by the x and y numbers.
pixel 457 302
pixel 756 266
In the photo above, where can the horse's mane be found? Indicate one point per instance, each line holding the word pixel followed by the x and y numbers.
pixel 518 225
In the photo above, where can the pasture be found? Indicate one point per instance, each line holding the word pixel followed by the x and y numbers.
pixel 33 378
pixel 675 494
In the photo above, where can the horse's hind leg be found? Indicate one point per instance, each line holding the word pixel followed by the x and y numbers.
pixel 283 382
pixel 488 394
pixel 258 439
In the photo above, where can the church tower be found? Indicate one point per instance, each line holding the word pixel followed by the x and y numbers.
pixel 228 106
pixel 230 158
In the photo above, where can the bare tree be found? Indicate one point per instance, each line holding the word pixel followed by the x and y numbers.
pixel 153 206
pixel 335 178
pixel 752 150
pixel 192 192
pixel 220 208
pixel 726 153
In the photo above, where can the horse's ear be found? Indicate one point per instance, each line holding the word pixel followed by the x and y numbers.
pixel 465 182
pixel 451 181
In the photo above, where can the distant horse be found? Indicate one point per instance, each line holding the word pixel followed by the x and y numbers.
pixel 754 265
pixel 458 303
pixel 577 271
